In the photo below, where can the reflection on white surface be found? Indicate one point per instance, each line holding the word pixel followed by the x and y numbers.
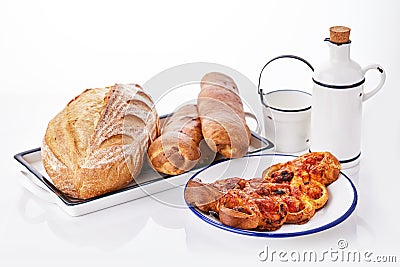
pixel 88 231
pixel 165 237
pixel 135 217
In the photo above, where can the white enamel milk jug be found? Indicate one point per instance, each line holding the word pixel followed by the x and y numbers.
pixel 337 98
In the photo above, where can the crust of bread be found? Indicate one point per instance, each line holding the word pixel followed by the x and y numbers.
pixel 177 149
pixel 97 142
pixel 222 116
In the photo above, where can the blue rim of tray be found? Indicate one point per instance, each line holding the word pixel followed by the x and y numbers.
pixel 222 226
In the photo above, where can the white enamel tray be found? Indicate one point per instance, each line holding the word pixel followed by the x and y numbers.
pixel 148 182
pixel 341 204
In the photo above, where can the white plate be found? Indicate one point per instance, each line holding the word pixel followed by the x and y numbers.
pixel 342 196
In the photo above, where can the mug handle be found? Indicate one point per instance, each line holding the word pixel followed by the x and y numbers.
pixel 252 116
pixel 379 68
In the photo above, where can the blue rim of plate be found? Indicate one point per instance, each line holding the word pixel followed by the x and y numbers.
pixel 329 225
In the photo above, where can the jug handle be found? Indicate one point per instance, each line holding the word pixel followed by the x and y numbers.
pixel 371 93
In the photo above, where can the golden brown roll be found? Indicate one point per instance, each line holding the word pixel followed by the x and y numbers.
pixel 177 149
pixel 322 167
pixel 222 116
pixel 237 209
pixel 97 142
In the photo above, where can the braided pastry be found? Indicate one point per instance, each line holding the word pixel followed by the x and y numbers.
pixel 287 193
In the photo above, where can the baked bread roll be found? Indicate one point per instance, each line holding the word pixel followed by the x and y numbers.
pixel 97 142
pixel 222 117
pixel 322 167
pixel 177 149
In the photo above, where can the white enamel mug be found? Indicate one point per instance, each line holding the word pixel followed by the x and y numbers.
pixel 287 115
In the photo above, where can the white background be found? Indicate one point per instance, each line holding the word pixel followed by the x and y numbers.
pixel 52 50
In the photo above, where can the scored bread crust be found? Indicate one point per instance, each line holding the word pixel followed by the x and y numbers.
pixel 96 143
pixel 222 116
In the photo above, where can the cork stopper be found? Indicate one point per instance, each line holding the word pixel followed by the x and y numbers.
pixel 339 34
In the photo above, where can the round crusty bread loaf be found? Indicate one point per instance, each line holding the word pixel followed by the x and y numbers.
pixel 96 143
